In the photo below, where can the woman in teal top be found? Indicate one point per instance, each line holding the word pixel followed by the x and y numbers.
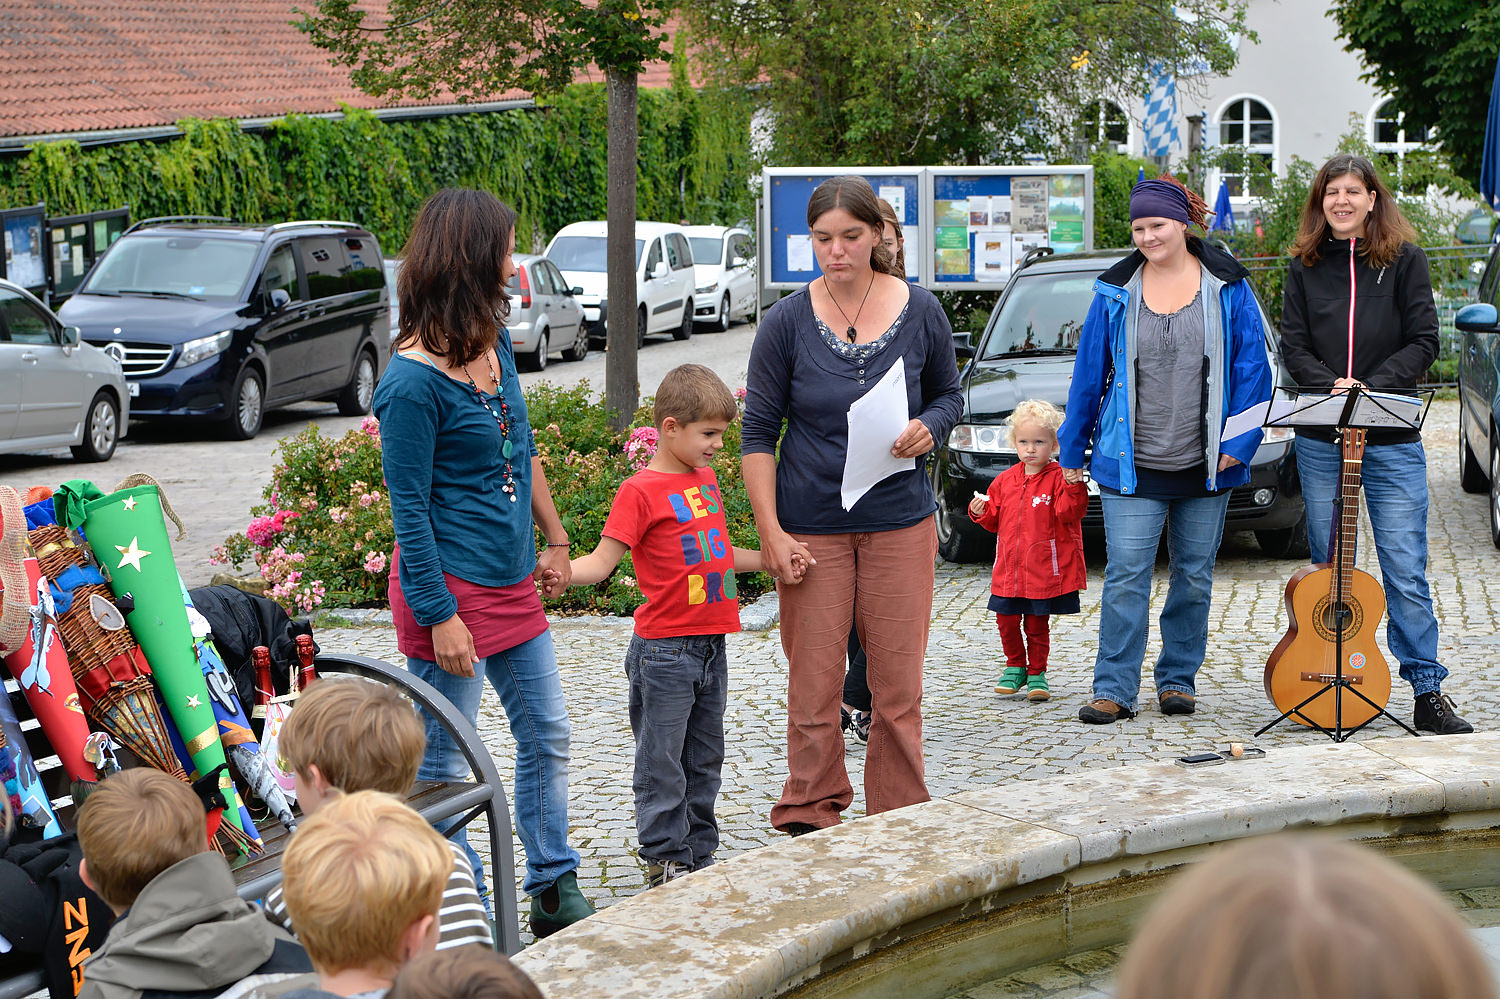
pixel 465 485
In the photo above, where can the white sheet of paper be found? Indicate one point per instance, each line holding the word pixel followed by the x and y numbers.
pixel 895 195
pixel 876 419
pixel 799 255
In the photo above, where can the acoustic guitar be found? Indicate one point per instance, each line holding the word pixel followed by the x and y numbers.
pixel 1304 661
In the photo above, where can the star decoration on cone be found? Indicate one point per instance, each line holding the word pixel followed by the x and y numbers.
pixel 129 503
pixel 193 701
pixel 132 555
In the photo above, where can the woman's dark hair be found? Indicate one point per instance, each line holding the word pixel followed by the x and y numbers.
pixel 452 294
pixel 855 196
pixel 888 217
pixel 1385 229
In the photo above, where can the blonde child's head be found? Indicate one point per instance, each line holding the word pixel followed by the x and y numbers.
pixel 691 393
pixel 363 879
pixel 1038 412
pixel 474 972
pixel 136 824
pixel 360 736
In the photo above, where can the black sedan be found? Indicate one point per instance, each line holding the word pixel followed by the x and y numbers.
pixel 1026 352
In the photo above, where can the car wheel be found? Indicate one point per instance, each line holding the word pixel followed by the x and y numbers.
pixel 248 406
pixel 101 430
pixel 360 392
pixel 1470 470
pixel 954 543
pixel 536 360
pixel 686 329
pixel 724 319
pixel 580 348
pixel 1285 542
pixel 1494 489
pixel 640 328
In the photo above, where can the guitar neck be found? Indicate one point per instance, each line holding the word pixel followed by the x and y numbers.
pixel 1348 532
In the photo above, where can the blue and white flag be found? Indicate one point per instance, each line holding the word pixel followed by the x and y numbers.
pixel 1161 116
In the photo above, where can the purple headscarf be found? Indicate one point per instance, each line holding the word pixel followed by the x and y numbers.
pixel 1159 199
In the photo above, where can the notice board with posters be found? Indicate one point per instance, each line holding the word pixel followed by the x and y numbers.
pixel 966 228
pixel 786 254
pixel 25 261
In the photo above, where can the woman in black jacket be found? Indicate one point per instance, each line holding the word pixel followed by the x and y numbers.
pixel 1358 285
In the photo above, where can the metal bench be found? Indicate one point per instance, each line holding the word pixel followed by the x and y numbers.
pixel 457 802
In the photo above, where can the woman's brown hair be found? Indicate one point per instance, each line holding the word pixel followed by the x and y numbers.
pixel 1385 230
pixel 888 217
pixel 452 295
pixel 855 196
pixel 472 972
pixel 1302 917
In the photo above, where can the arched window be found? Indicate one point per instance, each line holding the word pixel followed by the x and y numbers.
pixel 1393 131
pixel 1247 125
pixel 1103 123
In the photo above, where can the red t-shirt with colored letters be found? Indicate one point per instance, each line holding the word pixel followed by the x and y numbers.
pixel 673 523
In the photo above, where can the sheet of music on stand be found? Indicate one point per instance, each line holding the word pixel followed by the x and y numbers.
pixel 1372 409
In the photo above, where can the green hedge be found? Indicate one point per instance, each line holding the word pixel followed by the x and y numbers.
pixel 548 163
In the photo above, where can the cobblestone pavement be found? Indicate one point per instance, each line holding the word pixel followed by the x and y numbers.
pixel 975 737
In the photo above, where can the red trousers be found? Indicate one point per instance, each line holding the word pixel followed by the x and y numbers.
pixel 881 582
pixel 1029 653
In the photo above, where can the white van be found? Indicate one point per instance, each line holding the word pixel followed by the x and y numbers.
pixel 663 276
pixel 724 260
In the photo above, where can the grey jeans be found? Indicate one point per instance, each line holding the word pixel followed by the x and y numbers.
pixel 678 690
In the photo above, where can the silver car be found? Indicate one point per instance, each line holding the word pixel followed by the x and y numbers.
pixel 54 389
pixel 544 314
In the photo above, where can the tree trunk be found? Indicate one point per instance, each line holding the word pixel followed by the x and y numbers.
pixel 621 383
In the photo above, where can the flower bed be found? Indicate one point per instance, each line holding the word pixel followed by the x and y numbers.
pixel 323 534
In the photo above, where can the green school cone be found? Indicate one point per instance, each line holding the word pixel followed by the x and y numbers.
pixel 128 535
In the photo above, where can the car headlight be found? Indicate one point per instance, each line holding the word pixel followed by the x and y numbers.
pixel 1277 435
pixel 203 348
pixel 980 439
pixel 706 289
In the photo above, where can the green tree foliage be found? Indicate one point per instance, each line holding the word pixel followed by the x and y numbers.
pixel 547 162
pixel 945 81
pixel 1436 58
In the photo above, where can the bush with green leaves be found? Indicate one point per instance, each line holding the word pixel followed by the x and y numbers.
pixel 323 535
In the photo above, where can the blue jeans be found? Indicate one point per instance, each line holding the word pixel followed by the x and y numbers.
pixel 678 691
pixel 1132 531
pixel 527 681
pixel 1394 478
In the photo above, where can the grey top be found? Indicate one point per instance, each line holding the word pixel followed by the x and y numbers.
pixel 1169 387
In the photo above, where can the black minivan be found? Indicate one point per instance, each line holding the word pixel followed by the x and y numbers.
pixel 218 320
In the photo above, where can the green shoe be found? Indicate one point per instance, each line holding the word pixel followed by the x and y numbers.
pixel 1012 680
pixel 568 906
pixel 1036 687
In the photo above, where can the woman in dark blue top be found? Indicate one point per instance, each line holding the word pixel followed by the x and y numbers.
pixel 465 484
pixel 870 564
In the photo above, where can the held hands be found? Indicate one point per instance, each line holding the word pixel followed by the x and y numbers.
pixel 785 558
pixel 454 647
pixel 553 571
pixel 1341 384
pixel 1072 475
pixel 915 441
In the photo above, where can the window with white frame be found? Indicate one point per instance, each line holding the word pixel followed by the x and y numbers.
pixel 1247 125
pixel 1394 131
pixel 1103 123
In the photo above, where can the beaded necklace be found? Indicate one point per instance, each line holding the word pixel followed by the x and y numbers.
pixel 502 418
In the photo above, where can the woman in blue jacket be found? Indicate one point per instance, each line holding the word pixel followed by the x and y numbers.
pixel 1169 389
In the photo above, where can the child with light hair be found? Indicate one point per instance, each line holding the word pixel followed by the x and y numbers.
pixel 363 882
pixel 1037 516
pixel 182 927
pixel 348 734
pixel 1302 917
pixel 467 973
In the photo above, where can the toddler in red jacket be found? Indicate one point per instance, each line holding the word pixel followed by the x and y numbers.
pixel 1039 569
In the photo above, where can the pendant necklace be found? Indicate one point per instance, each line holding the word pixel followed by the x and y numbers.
pixel 502 418
pixel 850 331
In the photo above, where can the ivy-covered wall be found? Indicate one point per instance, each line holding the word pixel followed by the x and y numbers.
pixel 548 163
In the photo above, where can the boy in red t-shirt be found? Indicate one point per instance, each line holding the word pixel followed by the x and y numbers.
pixel 671 517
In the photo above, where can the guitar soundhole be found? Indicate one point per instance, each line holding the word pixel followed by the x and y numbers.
pixel 1329 618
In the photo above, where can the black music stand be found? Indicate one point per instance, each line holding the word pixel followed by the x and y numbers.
pixel 1357 408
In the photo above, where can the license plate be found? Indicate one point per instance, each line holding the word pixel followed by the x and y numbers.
pixel 134 388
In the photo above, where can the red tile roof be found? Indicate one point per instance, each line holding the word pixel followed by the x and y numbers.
pixel 83 65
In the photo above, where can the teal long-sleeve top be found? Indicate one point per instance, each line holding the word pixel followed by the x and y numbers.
pixel 444 472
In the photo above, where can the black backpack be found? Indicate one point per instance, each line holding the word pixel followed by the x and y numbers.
pixel 241 621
